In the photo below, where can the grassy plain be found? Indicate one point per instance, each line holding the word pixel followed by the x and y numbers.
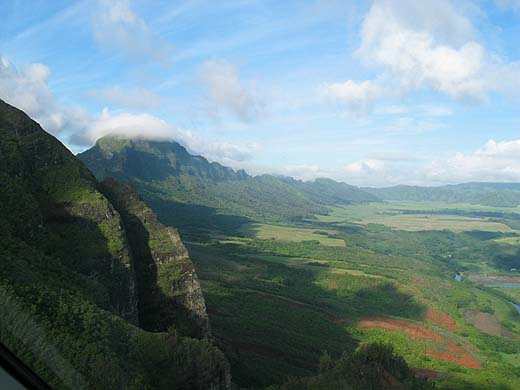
pixel 420 216
pixel 287 233
pixel 278 296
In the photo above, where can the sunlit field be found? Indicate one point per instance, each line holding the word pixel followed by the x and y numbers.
pixel 287 233
pixel 420 216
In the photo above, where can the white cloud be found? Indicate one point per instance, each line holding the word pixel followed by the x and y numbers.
pixel 306 171
pixel 127 97
pixel 438 18
pixel 357 97
pixel 495 161
pixel 151 127
pixel 117 27
pixel 424 45
pixel 364 167
pixel 415 59
pixel 28 90
pixel 227 92
pixel 382 170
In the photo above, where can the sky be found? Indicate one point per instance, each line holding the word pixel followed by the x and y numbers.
pixel 373 93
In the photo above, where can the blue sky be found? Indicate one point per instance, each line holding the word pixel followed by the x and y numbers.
pixel 371 93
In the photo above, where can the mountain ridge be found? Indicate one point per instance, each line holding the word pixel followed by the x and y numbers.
pixel 485 193
pixel 166 171
pixel 68 266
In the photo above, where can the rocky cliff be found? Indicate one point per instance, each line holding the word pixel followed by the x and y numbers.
pixel 90 284
pixel 51 198
pixel 167 284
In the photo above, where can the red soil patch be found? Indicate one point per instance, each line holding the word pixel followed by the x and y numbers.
pixel 418 282
pixel 425 373
pixel 464 359
pixel 487 323
pixel 415 331
pixel 441 319
pixel 448 350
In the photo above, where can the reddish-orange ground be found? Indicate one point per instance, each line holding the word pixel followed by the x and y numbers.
pixel 441 319
pixel 487 323
pixel 446 349
pixel 425 373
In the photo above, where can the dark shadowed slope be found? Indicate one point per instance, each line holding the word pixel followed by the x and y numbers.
pixel 168 287
pixel 70 291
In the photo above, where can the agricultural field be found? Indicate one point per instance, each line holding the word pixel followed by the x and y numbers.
pixel 287 233
pixel 279 296
pixel 421 216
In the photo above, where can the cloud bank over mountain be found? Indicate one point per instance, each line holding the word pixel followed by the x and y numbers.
pixel 371 93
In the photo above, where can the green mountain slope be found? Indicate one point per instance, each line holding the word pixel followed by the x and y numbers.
pixel 166 172
pixel 71 285
pixel 489 194
pixel 167 285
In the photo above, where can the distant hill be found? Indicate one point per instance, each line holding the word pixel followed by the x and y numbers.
pixel 489 194
pixel 166 172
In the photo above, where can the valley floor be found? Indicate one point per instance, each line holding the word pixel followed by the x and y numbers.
pixel 279 295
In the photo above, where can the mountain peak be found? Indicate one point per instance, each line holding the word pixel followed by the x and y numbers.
pixel 151 160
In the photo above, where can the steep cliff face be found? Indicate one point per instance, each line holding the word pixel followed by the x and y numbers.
pixel 72 272
pixel 50 198
pixel 168 288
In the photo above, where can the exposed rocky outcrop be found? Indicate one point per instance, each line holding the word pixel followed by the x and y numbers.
pixel 167 284
pixel 53 200
pixel 86 268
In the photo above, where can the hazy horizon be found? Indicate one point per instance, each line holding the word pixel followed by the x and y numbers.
pixel 369 93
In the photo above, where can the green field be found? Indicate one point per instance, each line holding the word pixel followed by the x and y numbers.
pixel 280 295
pixel 287 233
pixel 420 216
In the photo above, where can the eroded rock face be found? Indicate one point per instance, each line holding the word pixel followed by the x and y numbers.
pixel 53 201
pixel 69 259
pixel 168 288
pixel 185 290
